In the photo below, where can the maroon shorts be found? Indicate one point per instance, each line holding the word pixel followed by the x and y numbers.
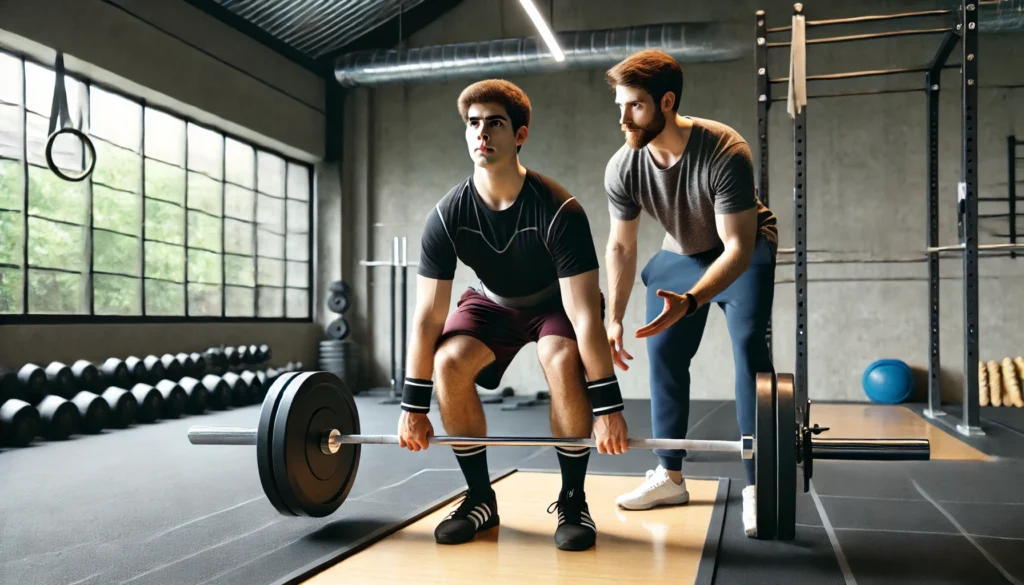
pixel 504 330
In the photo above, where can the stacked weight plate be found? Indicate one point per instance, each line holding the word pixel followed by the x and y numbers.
pixel 342 359
pixel 339 354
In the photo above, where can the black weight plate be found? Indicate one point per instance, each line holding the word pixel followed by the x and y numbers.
pixel 338 329
pixel 336 360
pixel 340 287
pixel 312 483
pixel 765 477
pixel 264 442
pixel 786 444
pixel 337 302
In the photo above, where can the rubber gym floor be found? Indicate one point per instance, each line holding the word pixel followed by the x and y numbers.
pixel 145 506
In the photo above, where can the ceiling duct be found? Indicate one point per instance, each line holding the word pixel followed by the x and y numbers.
pixel 687 42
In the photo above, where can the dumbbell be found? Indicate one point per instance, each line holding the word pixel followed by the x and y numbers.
pixel 218 391
pixel 198 395
pixel 265 352
pixel 94 411
pixel 150 402
pixel 34 386
pixel 238 391
pixel 175 398
pixel 145 370
pixel 123 407
pixel 216 361
pixel 233 357
pixel 19 423
pixel 61 380
pixel 173 369
pixel 59 418
pixel 199 365
pixel 256 387
pixel 115 373
pixel 186 362
pixel 10 387
pixel 87 376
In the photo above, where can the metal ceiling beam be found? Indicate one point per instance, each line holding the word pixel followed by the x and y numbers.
pixel 266 39
pixel 385 35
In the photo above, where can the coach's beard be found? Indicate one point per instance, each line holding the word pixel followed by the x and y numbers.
pixel 638 137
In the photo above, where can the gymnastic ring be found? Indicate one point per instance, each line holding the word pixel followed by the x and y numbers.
pixel 88 146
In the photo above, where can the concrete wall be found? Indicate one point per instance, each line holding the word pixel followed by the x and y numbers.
pixel 866 183
pixel 177 57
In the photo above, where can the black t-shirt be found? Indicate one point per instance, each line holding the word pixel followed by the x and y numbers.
pixel 543 236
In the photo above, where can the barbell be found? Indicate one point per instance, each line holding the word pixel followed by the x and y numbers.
pixel 308 446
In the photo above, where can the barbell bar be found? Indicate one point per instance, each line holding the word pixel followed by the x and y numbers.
pixel 308 446
pixel 332 440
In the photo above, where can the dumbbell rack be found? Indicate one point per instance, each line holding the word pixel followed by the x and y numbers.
pixel 59 401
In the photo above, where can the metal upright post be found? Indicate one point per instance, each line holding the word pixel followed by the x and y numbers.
pixel 764 101
pixel 971 424
pixel 932 240
pixel 403 286
pixel 395 394
pixel 800 245
pixel 1011 193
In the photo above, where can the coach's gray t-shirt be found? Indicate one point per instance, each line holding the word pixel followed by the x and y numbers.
pixel 715 175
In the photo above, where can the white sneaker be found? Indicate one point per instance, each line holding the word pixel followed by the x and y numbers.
pixel 656 490
pixel 750 510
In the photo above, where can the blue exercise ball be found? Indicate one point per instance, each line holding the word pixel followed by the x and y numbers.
pixel 888 381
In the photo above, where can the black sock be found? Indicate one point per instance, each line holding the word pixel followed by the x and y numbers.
pixel 573 461
pixel 473 461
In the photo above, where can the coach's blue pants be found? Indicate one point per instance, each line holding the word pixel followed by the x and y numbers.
pixel 747 304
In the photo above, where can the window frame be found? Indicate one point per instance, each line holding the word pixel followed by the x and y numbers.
pixel 87 271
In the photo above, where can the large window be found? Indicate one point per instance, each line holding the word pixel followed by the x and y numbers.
pixel 177 220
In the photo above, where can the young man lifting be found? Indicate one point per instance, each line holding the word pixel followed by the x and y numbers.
pixel 695 177
pixel 529 243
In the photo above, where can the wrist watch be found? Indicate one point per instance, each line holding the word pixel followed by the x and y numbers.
pixel 691 306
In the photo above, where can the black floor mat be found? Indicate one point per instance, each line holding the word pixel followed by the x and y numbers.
pixel 144 506
pixel 885 558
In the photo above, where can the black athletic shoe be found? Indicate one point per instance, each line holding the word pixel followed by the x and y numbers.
pixel 576 529
pixel 477 512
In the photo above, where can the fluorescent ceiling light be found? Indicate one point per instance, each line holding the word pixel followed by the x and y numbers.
pixel 542 28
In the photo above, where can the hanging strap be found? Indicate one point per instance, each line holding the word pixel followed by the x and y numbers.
pixel 61 123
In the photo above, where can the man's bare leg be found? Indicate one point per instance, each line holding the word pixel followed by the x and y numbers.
pixel 571 416
pixel 456 364
pixel 570 408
